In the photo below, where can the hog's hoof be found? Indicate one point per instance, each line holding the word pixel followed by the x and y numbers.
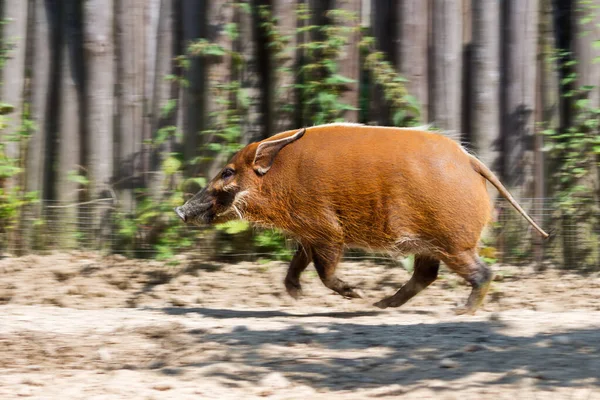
pixel 383 304
pixel 294 290
pixel 352 293
pixel 464 310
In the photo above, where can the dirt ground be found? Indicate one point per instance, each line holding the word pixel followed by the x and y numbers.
pixel 81 326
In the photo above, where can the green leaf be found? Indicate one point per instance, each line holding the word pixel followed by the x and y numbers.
pixel 8 170
pixel 398 117
pixel 200 181
pixel 233 227
pixel 168 108
pixel 6 108
pixel 243 98
pixel 214 50
pixel 339 79
pixel 245 7
pixel 347 107
pixel 171 165
pixel 163 133
pixel 73 176
pixel 581 103
pixel 413 101
pixel 231 31
pixel 215 146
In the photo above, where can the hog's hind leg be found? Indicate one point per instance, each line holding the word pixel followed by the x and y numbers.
pixel 326 260
pixel 469 266
pixel 300 261
pixel 425 272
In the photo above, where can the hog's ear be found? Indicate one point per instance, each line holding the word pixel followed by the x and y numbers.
pixel 267 151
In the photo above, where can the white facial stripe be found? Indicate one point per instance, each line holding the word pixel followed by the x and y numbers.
pixel 237 211
pixel 239 203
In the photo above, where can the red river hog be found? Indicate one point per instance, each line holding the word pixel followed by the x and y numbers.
pixel 405 190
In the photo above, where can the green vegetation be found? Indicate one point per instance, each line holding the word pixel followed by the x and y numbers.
pixel 13 197
pixel 575 161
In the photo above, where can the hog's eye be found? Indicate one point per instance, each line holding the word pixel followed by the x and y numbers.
pixel 227 173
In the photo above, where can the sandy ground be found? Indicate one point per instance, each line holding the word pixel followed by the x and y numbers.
pixel 81 326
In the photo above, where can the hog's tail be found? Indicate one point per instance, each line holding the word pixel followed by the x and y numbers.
pixel 482 169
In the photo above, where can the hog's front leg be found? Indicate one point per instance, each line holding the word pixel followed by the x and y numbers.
pixel 326 259
pixel 299 262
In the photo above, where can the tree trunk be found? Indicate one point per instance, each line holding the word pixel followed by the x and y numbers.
pixel 264 67
pixel 485 125
pixel 549 69
pixel 14 33
pixel 70 140
pixel 194 18
pixel 43 88
pixel 350 60
pixel 100 80
pixel 586 38
pixel 302 37
pixel 36 150
pixel 45 107
pixel 520 77
pixel 445 104
pixel 219 72
pixel 412 53
pixel 286 103
pixel 586 34
pixel 467 19
pixel 519 101
pixel 247 45
pixel 165 91
pixel 382 23
pixel 548 113
pixel 131 63
pixel 152 18
pixel 466 72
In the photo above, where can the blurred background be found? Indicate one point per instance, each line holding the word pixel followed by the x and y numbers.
pixel 115 111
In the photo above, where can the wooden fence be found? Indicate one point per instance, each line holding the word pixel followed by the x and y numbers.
pixel 92 76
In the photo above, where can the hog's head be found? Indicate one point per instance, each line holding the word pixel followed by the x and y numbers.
pixel 225 196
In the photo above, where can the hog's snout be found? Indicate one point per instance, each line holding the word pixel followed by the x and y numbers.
pixel 194 211
pixel 180 213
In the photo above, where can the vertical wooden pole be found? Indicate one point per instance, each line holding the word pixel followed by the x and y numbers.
pixel 195 94
pixel 168 46
pixel 98 17
pixel 412 53
pixel 445 104
pixel 14 33
pixel 70 127
pixel 349 61
pixel 131 59
pixel 485 114
pixel 520 75
pixel 285 105
pixel 41 89
pixel 382 22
